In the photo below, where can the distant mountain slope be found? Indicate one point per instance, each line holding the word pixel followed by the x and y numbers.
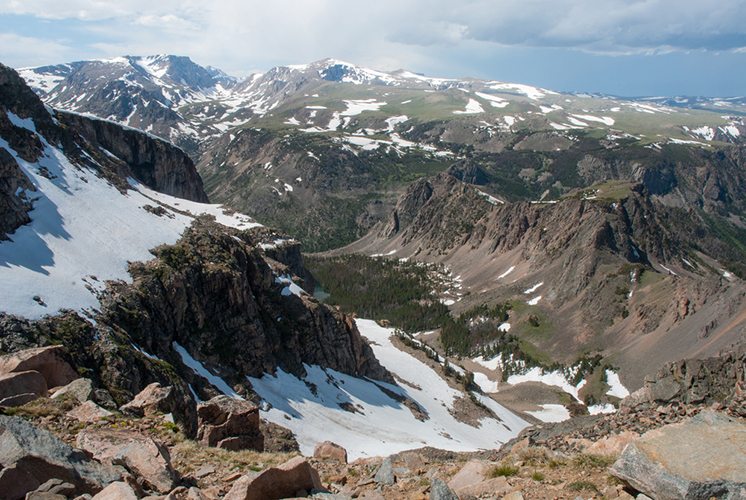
pixel 322 150
pixel 612 271
pixel 179 100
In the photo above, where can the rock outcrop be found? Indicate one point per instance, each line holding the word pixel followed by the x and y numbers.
pixel 696 381
pixel 28 374
pixel 701 458
pixel 330 450
pixel 230 424
pixel 51 362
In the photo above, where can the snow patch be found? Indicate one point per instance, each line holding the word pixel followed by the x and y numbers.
pixel 472 107
pixel 551 413
pixel 376 424
pixel 203 372
pixel 616 388
pixel 533 288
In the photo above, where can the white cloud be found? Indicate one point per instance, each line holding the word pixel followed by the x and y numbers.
pixel 17 51
pixel 388 34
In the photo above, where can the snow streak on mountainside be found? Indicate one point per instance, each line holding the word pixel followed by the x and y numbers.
pixel 376 422
pixel 83 232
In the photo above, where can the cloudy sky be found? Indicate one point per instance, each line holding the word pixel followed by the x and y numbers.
pixel 623 47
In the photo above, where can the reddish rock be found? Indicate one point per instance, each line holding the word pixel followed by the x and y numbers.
pixel 89 412
pixel 154 399
pixel 21 383
pixel 472 480
pixel 229 423
pixel 277 482
pixel 612 445
pixel 49 361
pixel 183 493
pixel 327 449
pixel 141 455
pixel 116 491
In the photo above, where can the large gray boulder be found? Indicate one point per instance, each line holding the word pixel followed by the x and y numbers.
pixel 30 456
pixel 700 458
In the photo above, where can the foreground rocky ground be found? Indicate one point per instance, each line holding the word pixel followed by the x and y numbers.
pixel 683 435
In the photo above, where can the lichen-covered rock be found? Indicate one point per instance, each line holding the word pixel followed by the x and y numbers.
pixel 80 389
pixel 700 458
pixel 30 456
pixel 89 412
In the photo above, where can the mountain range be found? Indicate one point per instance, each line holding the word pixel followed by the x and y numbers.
pixel 560 247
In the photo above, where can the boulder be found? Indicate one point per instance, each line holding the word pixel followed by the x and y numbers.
pixel 153 400
pixel 284 481
pixel 473 472
pixel 18 387
pixel 49 361
pixel 19 399
pixel 117 491
pixel 232 424
pixel 492 488
pixel 89 412
pixel 612 445
pixel 440 491
pixel 140 454
pixel 385 474
pixel 30 456
pixel 327 449
pixel 472 480
pixel 702 457
pixel 183 493
pixel 80 389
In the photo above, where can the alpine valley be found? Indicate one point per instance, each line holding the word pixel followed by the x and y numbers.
pixel 466 288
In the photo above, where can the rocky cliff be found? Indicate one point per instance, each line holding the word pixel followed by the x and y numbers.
pixel 152 161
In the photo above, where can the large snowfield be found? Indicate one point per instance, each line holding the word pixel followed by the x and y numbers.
pixel 378 424
pixel 83 232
